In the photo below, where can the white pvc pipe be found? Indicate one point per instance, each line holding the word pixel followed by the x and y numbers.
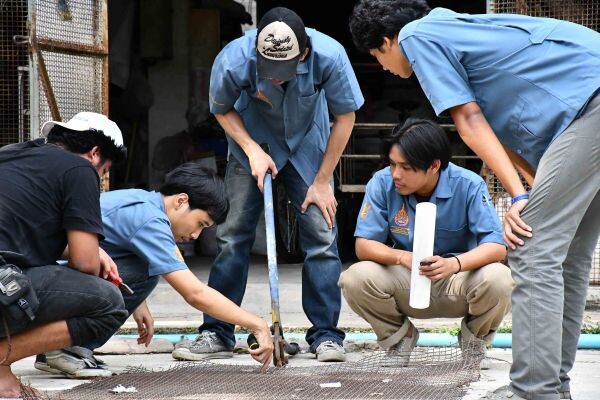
pixel 420 285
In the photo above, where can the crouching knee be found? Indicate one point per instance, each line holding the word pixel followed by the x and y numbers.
pixel 105 316
pixel 360 278
pixel 499 282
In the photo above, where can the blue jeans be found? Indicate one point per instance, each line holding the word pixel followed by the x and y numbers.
pixel 321 297
pixel 135 274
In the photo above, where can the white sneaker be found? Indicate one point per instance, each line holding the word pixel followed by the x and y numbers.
pixel 565 395
pixel 74 362
pixel 330 351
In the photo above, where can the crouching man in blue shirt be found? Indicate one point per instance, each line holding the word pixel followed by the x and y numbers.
pixel 467 279
pixel 141 229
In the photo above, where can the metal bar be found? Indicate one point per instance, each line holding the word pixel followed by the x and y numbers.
pixel 72 48
pixel 21 98
pixel 386 125
pixel 271 247
pixel 105 81
pixel 43 72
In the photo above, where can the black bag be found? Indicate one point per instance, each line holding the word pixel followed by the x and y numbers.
pixel 18 300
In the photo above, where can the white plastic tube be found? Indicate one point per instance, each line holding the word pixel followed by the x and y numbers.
pixel 420 285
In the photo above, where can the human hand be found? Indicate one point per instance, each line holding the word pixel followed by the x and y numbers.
pixel 264 352
pixel 514 225
pixel 260 163
pixel 107 265
pixel 145 324
pixel 436 267
pixel 321 194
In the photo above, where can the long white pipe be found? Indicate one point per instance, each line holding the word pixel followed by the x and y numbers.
pixel 420 285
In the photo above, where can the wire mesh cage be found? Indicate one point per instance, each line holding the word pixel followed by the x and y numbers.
pixel 73 50
pixel 76 82
pixel 424 373
pixel 14 73
pixel 584 12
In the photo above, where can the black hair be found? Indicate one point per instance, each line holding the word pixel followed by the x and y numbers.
pixel 372 20
pixel 421 142
pixel 80 142
pixel 206 191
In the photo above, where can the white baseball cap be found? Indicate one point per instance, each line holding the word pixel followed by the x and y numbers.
pixel 280 42
pixel 84 121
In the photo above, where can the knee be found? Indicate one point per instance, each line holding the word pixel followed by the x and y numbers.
pixel 498 281
pixel 360 278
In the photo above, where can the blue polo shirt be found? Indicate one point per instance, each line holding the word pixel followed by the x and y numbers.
pixel 136 226
pixel 294 122
pixel 531 76
pixel 465 215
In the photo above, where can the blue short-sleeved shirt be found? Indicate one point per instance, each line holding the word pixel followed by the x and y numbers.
pixel 465 215
pixel 136 225
pixel 531 76
pixel 294 122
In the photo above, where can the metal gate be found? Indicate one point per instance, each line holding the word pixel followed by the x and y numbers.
pixel 56 55
pixel 584 12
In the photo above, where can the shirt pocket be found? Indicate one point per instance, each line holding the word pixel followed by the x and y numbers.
pixel 453 240
pixel 307 106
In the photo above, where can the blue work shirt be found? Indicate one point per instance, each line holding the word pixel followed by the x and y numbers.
pixel 294 122
pixel 465 216
pixel 136 225
pixel 530 76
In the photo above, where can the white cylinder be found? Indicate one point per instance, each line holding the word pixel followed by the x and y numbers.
pixel 420 285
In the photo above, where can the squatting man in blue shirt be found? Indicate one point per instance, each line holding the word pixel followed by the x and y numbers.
pixel 277 85
pixel 141 230
pixel 467 278
pixel 523 94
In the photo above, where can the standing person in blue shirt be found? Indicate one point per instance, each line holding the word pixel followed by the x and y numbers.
pixel 467 279
pixel 523 94
pixel 277 85
pixel 141 230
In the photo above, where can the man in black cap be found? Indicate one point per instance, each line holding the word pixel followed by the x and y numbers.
pixel 277 85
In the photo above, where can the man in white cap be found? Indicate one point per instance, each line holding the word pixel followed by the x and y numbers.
pixel 50 210
pixel 278 85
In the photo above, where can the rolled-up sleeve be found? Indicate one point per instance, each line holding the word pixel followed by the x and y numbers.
pixel 372 222
pixel 483 220
pixel 226 82
pixel 341 86
pixel 439 71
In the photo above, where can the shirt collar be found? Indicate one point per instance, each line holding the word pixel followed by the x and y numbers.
pixel 443 189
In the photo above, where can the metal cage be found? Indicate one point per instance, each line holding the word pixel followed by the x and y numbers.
pixel 54 63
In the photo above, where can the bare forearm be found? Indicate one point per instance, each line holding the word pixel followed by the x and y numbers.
pixel 338 138
pixel 484 254
pixel 479 136
pixel 218 306
pixel 233 125
pixel 372 250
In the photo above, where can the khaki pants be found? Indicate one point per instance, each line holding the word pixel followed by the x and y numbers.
pixel 380 294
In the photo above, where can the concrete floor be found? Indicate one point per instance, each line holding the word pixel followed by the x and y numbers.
pixel 170 311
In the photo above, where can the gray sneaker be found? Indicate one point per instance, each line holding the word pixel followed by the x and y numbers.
pixel 565 395
pixel 206 346
pixel 399 354
pixel 330 351
pixel 74 362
